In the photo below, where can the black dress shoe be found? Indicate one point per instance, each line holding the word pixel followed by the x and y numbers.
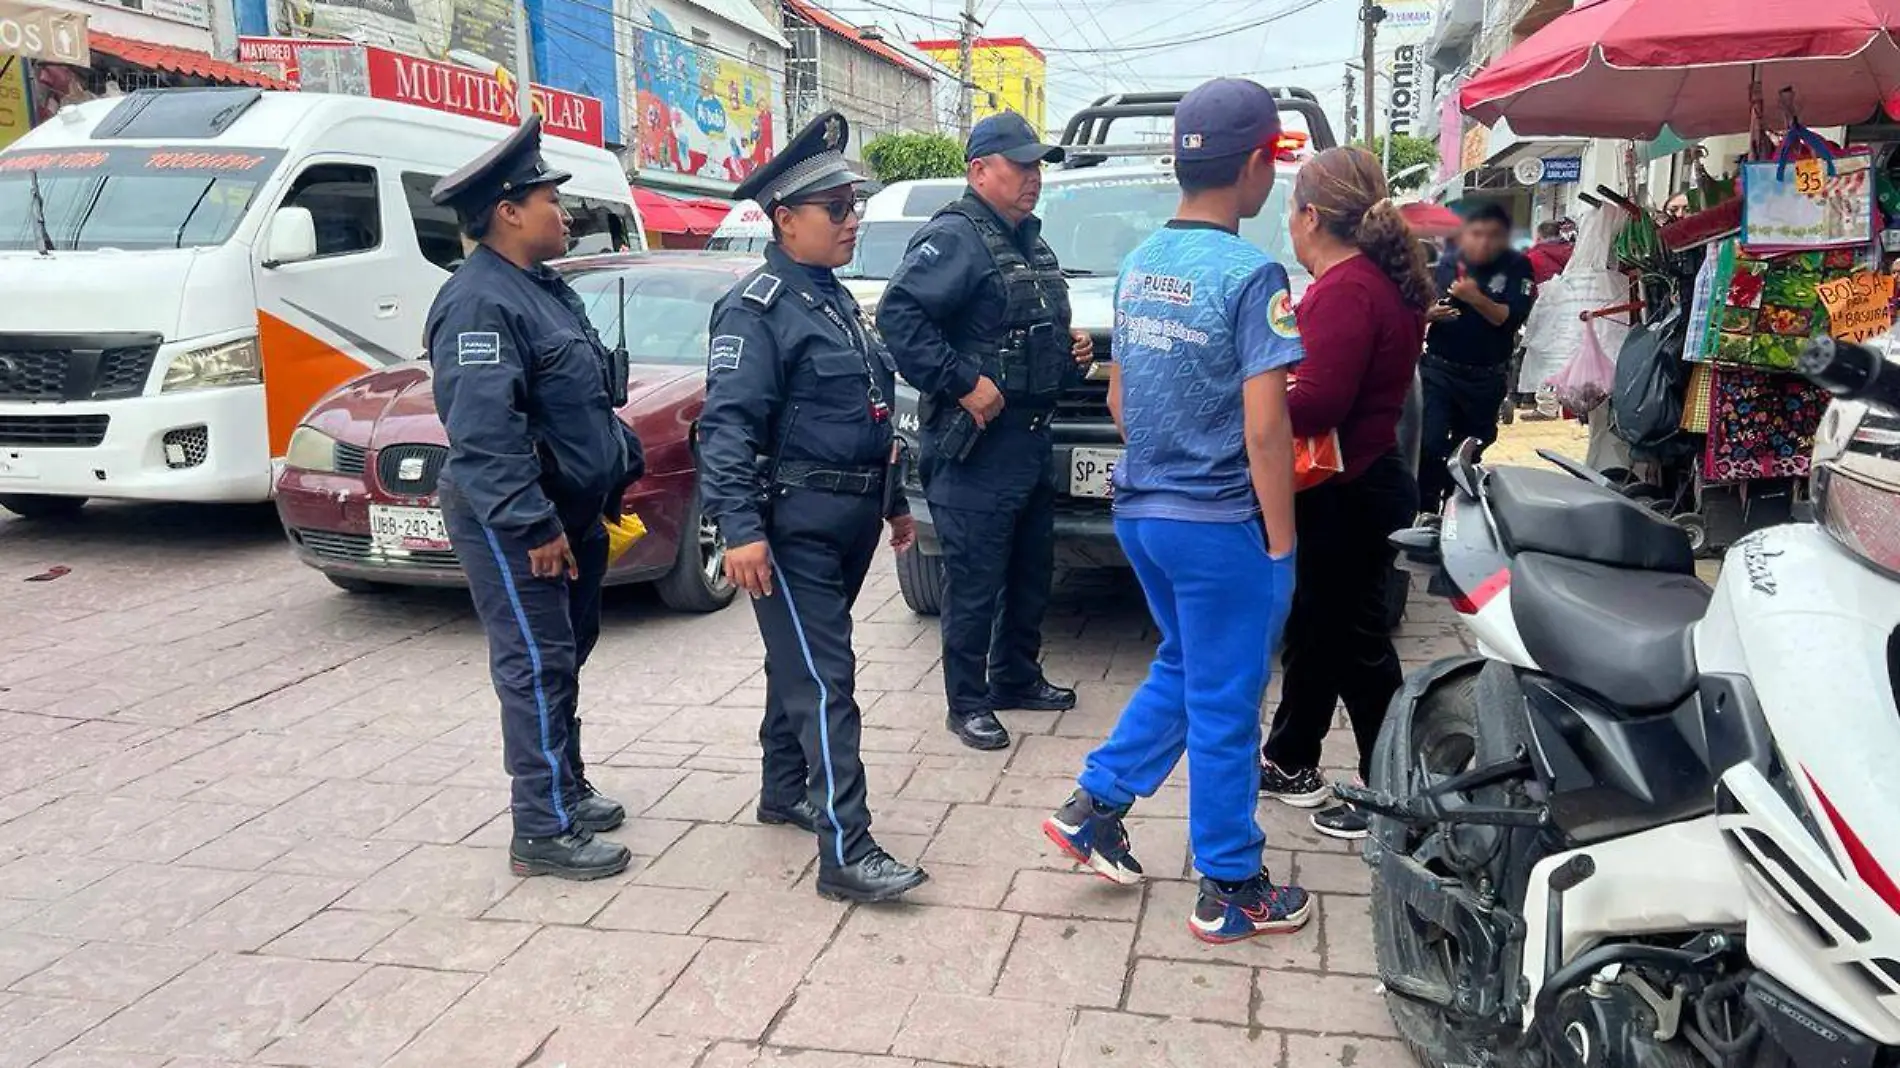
pixel 597 812
pixel 979 730
pixel 1044 696
pixel 877 877
pixel 801 814
pixel 576 855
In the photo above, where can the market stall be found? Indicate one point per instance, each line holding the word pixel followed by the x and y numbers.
pixel 1711 425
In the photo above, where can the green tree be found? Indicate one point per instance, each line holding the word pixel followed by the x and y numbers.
pixel 1407 151
pixel 903 157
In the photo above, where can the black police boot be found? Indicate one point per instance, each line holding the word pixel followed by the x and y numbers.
pixel 597 812
pixel 877 877
pixel 978 730
pixel 800 814
pixel 1044 696
pixel 576 855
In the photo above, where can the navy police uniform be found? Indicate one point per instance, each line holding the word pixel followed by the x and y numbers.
pixel 526 392
pixel 795 449
pixel 1467 366
pixel 977 296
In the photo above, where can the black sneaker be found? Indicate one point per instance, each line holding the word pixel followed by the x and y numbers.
pixel 1093 835
pixel 1341 821
pixel 1230 912
pixel 1305 788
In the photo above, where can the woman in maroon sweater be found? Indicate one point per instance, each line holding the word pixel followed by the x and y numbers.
pixel 1363 324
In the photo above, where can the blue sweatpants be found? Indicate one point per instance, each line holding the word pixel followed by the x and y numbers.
pixel 1220 601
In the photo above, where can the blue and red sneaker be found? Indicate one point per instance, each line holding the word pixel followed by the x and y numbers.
pixel 1229 913
pixel 1092 835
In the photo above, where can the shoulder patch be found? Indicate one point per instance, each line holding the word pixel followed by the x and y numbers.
pixel 763 290
pixel 1280 314
pixel 1524 287
pixel 724 352
pixel 928 250
pixel 477 347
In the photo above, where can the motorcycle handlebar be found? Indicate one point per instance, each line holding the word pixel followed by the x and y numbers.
pixel 1851 371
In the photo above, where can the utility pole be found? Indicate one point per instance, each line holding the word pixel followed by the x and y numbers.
pixel 966 69
pixel 1369 18
pixel 1352 111
pixel 524 63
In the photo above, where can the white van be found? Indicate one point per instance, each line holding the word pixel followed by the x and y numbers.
pixel 184 272
pixel 891 216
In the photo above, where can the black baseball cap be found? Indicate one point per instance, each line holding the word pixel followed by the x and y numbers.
pixel 1224 117
pixel 1009 135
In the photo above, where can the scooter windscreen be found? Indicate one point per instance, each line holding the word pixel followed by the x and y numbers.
pixel 1855 479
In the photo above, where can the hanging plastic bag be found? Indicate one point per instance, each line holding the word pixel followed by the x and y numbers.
pixel 622 534
pixel 1585 382
pixel 1316 459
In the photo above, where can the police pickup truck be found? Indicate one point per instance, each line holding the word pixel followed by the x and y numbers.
pixel 1102 201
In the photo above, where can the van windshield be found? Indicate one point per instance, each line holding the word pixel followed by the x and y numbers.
pixel 1094 223
pixel 881 247
pixel 128 198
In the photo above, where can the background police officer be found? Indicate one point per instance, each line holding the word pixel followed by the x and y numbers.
pixel 536 457
pixel 978 317
pixel 795 454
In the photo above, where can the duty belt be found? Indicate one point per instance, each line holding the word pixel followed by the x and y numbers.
pixel 1033 418
pixel 1474 372
pixel 854 481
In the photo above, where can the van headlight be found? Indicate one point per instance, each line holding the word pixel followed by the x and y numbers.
pixel 311 450
pixel 234 363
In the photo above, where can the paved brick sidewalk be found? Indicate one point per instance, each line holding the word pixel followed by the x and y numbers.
pixel 247 819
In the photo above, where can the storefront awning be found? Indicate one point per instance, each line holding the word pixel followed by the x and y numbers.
pixel 670 215
pixel 180 61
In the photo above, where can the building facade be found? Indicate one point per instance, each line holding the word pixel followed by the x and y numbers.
pixel 834 64
pixel 1010 74
pixel 703 91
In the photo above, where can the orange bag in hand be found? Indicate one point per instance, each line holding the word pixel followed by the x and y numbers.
pixel 1316 459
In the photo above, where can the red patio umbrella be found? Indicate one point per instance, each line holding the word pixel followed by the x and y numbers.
pixel 671 215
pixel 1430 220
pixel 1623 68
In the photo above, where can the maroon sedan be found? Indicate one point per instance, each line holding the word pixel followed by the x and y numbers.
pixel 357 492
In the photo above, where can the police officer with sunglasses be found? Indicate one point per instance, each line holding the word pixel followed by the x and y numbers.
pixel 796 453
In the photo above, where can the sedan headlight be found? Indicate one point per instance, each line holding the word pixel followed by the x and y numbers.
pixel 234 363
pixel 311 450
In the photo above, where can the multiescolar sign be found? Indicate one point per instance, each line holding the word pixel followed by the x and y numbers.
pixel 44 34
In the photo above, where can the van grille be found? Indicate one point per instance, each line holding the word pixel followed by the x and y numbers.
pixel 72 367
pixel 57 431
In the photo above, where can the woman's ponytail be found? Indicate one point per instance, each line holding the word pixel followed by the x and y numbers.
pixel 1386 239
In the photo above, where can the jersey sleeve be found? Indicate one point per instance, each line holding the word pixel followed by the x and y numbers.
pixel 481 389
pixel 1265 331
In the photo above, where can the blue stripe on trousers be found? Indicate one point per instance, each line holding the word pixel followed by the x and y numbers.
pixel 534 660
pixel 824 715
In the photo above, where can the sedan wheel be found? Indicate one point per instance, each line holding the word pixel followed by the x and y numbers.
pixel 697 582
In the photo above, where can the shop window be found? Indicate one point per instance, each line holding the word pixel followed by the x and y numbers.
pixel 438 233
pixel 342 200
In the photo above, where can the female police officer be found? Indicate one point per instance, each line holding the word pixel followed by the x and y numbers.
pixel 796 450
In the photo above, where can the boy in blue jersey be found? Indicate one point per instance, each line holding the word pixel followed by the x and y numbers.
pixel 1204 336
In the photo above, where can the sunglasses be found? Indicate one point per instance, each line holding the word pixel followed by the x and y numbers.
pixel 837 209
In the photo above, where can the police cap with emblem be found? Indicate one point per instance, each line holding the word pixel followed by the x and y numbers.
pixel 501 172
pixel 812 163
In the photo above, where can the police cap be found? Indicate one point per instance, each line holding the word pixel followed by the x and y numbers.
pixel 812 163
pixel 500 172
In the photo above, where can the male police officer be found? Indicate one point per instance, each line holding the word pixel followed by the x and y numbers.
pixel 795 451
pixel 536 457
pixel 978 317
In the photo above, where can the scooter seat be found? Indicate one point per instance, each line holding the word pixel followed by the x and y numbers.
pixel 1624 635
pixel 1550 512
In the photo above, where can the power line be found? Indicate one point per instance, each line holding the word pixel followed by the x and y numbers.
pixel 1206 35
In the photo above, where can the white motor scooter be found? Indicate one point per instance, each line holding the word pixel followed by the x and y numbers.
pixel 1653 824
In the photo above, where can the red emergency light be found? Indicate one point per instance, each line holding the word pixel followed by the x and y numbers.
pixel 1289 144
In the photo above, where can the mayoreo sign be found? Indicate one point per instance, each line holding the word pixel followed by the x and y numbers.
pixel 339 66
pixel 43 34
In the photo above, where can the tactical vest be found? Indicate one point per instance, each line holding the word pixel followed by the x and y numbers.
pixel 1034 356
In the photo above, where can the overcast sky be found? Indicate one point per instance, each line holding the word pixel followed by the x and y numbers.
pixel 1306 43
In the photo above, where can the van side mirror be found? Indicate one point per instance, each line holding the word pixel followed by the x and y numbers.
pixel 293 237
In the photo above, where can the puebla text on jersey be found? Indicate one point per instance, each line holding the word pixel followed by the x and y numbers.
pixel 793 376
pixel 1198 312
pixel 521 383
